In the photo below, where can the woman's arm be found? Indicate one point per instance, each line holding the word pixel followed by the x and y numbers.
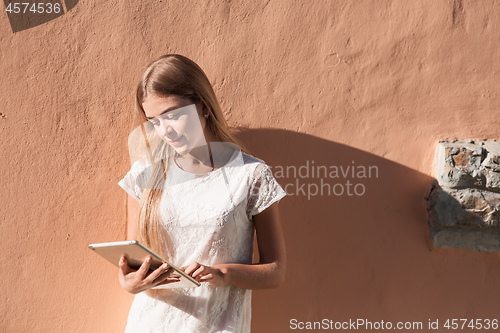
pixel 268 273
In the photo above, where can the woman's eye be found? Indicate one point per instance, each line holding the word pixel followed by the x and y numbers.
pixel 172 116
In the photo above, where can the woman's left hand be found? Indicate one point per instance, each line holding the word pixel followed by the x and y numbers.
pixel 203 273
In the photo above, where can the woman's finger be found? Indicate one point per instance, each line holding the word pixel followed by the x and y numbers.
pixel 122 262
pixel 143 270
pixel 123 265
pixel 191 268
pixel 199 271
pixel 168 279
pixel 206 277
pixel 157 273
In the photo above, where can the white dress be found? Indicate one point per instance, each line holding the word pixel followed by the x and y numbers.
pixel 209 220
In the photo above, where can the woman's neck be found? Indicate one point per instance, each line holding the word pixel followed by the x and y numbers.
pixel 198 157
pixel 205 158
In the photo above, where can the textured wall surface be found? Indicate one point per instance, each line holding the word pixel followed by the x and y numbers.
pixel 341 83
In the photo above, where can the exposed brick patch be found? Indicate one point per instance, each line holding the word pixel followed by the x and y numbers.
pixel 464 204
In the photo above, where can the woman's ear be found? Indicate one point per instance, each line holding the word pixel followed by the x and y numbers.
pixel 204 109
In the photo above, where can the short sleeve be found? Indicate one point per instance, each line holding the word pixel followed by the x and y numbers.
pixel 264 190
pixel 134 182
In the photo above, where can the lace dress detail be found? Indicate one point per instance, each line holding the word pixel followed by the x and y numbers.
pixel 208 219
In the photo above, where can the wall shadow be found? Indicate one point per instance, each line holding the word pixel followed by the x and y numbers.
pixel 360 256
pixel 22 16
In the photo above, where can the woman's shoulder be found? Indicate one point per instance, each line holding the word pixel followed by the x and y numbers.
pixel 254 164
pixel 250 159
pixel 140 171
pixel 256 167
pixel 235 157
pixel 140 166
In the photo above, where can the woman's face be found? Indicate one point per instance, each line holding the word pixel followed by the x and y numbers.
pixel 178 121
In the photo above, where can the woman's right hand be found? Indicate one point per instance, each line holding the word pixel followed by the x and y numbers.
pixel 136 281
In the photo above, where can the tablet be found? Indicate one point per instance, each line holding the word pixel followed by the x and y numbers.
pixel 136 253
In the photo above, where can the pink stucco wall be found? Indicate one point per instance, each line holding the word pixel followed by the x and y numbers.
pixel 374 82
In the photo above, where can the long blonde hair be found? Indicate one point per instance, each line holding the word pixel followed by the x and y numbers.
pixel 170 75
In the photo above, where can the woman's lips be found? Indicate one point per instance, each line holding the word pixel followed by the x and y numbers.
pixel 175 142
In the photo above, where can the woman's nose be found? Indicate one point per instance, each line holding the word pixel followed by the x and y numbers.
pixel 164 128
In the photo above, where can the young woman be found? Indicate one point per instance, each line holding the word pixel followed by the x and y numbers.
pixel 196 198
